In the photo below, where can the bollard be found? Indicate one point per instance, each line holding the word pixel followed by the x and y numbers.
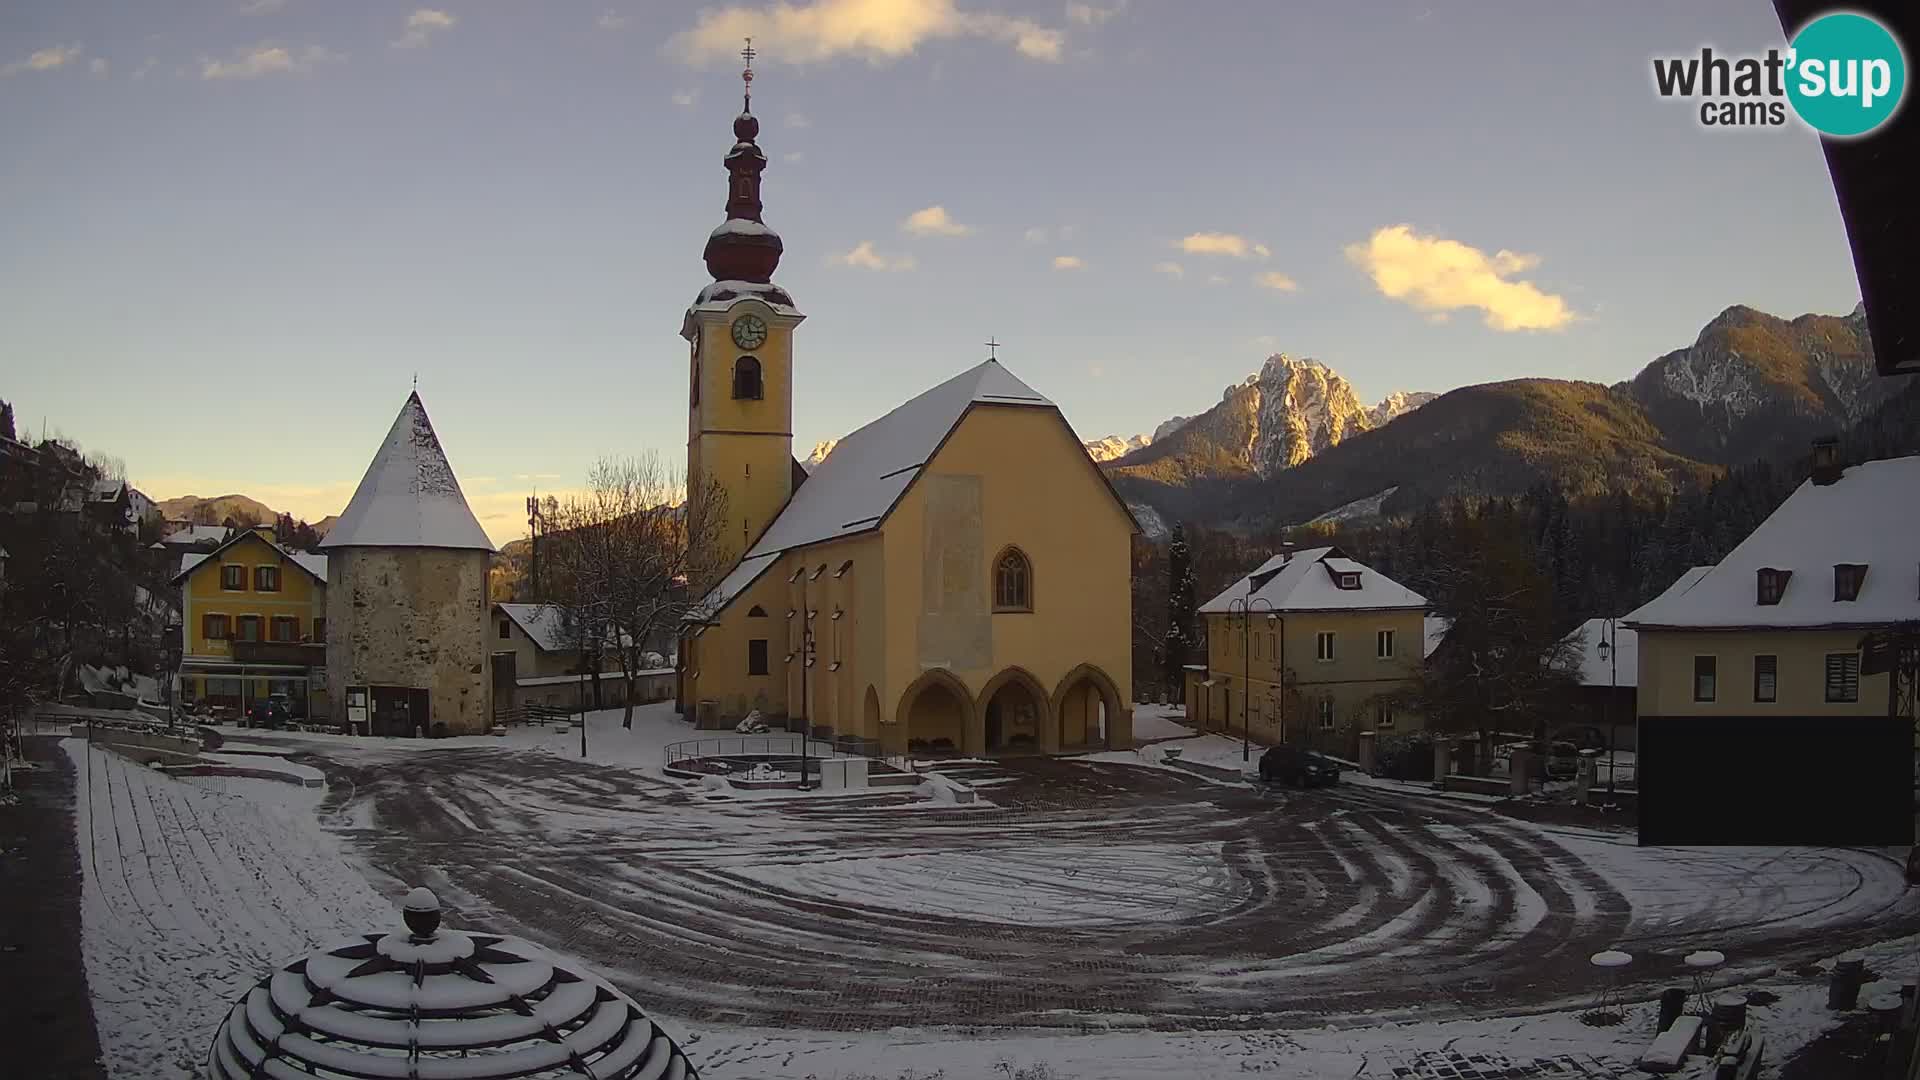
pixel 1673 1002
pixel 1843 988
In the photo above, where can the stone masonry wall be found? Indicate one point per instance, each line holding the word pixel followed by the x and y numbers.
pixel 414 617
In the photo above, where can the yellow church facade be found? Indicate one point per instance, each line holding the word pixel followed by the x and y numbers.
pixel 953 577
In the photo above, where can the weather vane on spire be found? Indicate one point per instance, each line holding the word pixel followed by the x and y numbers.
pixel 746 75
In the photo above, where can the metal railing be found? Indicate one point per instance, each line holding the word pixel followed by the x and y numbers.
pixel 773 744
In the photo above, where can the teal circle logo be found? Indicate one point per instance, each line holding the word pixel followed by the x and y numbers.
pixel 1846 74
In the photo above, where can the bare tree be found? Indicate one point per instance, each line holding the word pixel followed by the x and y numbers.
pixel 619 558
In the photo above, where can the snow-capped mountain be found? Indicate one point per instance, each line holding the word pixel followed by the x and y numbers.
pixel 820 451
pixel 1278 417
pixel 1113 446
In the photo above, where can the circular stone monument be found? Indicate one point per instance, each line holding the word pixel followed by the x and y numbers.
pixel 431 1002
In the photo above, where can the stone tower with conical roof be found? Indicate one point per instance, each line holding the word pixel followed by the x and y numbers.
pixel 407 594
pixel 740 367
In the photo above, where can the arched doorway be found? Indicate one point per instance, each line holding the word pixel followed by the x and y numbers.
pixel 1014 714
pixel 870 714
pixel 936 714
pixel 1085 706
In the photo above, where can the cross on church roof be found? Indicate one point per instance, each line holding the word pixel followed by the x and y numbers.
pixel 993 349
pixel 746 75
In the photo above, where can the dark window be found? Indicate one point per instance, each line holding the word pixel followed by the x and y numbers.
pixel 1323 645
pixel 746 379
pixel 1326 713
pixel 1383 715
pixel 506 629
pixel 1843 677
pixel 266 579
pixel 1705 669
pixel 1772 585
pixel 757 656
pixel 319 629
pixel 1766 678
pixel 213 627
pixel 233 578
pixel 695 394
pixel 1349 581
pixel 248 628
pixel 756 612
pixel 1847 579
pixel 284 628
pixel 1383 644
pixel 1012 582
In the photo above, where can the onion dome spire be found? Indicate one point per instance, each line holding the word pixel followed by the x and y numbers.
pixel 743 248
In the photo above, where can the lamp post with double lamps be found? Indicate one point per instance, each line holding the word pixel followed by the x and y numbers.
pixel 1610 652
pixel 1245 607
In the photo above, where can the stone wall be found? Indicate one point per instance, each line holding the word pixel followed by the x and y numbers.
pixel 414 617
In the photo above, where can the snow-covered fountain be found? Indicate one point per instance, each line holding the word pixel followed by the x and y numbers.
pixel 438 1003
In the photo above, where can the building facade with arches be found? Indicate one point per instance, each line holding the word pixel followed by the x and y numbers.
pixel 953 577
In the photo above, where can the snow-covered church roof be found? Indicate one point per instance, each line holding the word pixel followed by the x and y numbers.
pixel 1306 581
pixel 1869 517
pixel 853 489
pixel 409 497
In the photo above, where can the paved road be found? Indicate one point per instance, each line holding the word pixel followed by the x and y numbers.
pixel 1085 890
pixel 46 1018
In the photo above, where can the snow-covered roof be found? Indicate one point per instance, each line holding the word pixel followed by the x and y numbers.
pixel 542 623
pixel 741 227
pixel 1435 629
pixel 722 295
pixel 1302 583
pixel 311 563
pixel 1621 668
pixel 1870 516
pixel 195 534
pixel 743 574
pixel 852 490
pixel 409 496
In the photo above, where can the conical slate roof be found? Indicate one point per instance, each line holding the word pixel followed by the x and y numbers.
pixel 409 497
pixel 437 1004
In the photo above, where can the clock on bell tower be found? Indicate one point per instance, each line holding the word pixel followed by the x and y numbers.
pixel 740 333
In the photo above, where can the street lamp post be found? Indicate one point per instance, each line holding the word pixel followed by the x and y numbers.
pixel 1610 652
pixel 1244 606
pixel 806 662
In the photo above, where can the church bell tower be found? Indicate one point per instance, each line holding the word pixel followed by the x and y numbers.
pixel 740 333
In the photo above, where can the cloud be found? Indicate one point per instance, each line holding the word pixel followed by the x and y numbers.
pixel 793 156
pixel 260 60
pixel 1036 235
pixel 1096 370
pixel 864 257
pixel 140 73
pixel 611 20
pixel 98 65
pixel 1068 262
pixel 1213 243
pixel 1277 281
pixel 878 30
pixel 261 7
pixel 1216 279
pixel 536 476
pixel 684 98
pixel 798 120
pixel 934 221
pixel 1093 14
pixel 1436 275
pixel 1171 269
pixel 423 24
pixel 45 60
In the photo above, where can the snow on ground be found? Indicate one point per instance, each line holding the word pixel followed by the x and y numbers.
pixel 1152 722
pixel 265 762
pixel 194 888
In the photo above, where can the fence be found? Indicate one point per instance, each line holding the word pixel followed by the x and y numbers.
pixel 778 745
pixel 532 713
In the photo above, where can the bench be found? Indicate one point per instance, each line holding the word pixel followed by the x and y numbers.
pixel 1670 1047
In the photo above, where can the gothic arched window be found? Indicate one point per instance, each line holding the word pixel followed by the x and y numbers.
pixel 746 379
pixel 1012 582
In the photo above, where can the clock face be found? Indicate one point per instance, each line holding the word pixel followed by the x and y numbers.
pixel 749 332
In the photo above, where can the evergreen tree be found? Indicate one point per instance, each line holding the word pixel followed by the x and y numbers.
pixel 1180 639
pixel 6 421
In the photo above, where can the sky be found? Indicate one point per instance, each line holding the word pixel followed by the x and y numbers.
pixel 237 230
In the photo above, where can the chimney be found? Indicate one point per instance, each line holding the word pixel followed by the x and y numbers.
pixel 1826 460
pixel 1286 550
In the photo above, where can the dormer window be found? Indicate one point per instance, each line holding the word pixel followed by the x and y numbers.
pixel 1847 579
pixel 1772 585
pixel 1347 581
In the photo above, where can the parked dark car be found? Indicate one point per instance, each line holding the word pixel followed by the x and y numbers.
pixel 1563 760
pixel 266 714
pixel 1298 768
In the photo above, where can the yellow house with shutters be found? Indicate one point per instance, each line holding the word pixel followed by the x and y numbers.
pixel 954 577
pixel 253 624
pixel 1311 648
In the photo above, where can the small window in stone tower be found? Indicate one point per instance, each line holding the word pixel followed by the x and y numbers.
pixel 746 379
pixel 1012 582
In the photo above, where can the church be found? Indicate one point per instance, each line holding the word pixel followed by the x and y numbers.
pixel 953 578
